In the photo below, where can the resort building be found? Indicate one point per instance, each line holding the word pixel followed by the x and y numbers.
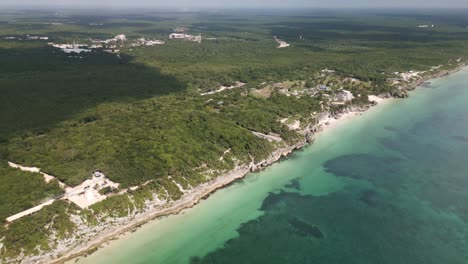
pixel 186 37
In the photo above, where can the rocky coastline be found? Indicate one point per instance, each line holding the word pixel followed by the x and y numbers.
pixel 130 223
pixel 402 92
pixel 93 238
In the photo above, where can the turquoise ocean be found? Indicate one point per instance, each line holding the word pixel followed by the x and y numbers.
pixel 389 186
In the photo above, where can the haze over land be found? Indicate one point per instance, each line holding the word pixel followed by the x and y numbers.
pixel 241 3
pixel 116 112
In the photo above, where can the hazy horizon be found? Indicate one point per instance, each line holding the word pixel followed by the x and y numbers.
pixel 186 4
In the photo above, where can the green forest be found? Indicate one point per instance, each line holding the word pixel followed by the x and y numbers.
pixel 141 117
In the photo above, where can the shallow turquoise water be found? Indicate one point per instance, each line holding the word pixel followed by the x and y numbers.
pixel 391 186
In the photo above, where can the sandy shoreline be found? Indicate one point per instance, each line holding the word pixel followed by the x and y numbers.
pixel 347 117
pixel 197 194
pixel 201 192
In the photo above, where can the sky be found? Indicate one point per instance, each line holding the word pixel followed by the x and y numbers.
pixel 240 3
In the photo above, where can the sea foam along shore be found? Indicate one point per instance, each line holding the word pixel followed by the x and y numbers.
pixel 194 196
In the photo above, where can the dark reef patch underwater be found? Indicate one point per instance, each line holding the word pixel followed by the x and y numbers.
pixel 405 198
pixel 388 187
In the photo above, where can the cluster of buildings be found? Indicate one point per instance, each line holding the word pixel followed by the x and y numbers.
pixel 299 92
pixel 405 77
pixel 341 97
pixel 88 192
pixel 121 38
pixel 84 195
pixel 179 33
pixel 331 90
pixel 27 37
pixel 425 26
pixel 306 91
pixel 146 42
pixel 71 48
pixel 194 38
pixel 112 45
pixel 108 45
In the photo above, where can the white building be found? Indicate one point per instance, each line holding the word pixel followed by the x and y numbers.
pixel 120 37
pixel 147 42
pixel 186 37
pixel 177 36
